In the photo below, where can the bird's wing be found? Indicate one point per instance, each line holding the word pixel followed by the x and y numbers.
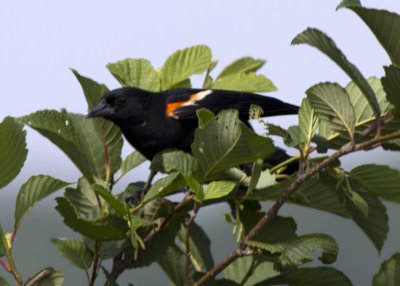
pixel 183 103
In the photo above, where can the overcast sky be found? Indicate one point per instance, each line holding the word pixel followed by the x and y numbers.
pixel 40 41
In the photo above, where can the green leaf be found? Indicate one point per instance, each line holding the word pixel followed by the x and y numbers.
pixel 255 175
pixel 165 186
pixel 84 199
pixel 391 84
pixel 13 150
pixel 357 200
pixel 108 133
pixel 237 271
pixel 200 246
pixel 218 189
pixel 319 192
pixel 32 191
pixel 294 136
pixel 279 228
pixel 172 263
pixel 331 102
pixel 363 112
pixel 346 3
pixel 131 161
pixel 375 225
pixel 308 123
pixel 248 82
pixel 204 116
pixel 77 137
pixel 386 27
pixel 380 180
pixel 299 250
pixel 51 278
pixel 120 208
pixel 322 42
pixel 136 73
pixel 92 90
pixel 169 161
pixel 109 227
pixel 224 143
pixel 389 273
pixel 75 251
pixel 3 282
pixel 316 276
pixel 184 63
pixel 242 65
pixel 4 248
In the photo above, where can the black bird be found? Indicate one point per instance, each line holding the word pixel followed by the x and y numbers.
pixel 156 121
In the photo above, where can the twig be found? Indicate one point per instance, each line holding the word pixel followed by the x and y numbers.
pixel 96 261
pixel 273 211
pixel 5 266
pixel 39 276
pixel 120 264
pixel 188 255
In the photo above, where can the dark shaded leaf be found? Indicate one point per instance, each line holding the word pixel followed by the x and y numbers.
pixel 317 276
pixel 13 150
pixel 75 251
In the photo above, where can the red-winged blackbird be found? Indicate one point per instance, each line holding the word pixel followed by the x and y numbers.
pixel 153 122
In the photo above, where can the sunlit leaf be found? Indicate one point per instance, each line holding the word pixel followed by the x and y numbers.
pixel 165 186
pixel 131 161
pixel 184 63
pixel 249 82
pixel 136 73
pixel 389 273
pixel 307 122
pixel 322 42
pixel 224 143
pixel 299 250
pixel 242 65
pixel 380 180
pixel 218 189
pixel 331 102
pixel 32 191
pixel 109 227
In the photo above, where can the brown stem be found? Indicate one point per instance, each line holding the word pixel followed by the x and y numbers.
pixel 96 262
pixel 188 255
pixel 42 274
pixel 5 266
pixel 273 211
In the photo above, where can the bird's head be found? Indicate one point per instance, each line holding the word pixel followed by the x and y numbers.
pixel 121 104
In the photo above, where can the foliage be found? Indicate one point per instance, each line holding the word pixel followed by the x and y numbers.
pixel 155 229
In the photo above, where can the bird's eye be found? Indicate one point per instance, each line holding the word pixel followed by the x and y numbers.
pixel 122 100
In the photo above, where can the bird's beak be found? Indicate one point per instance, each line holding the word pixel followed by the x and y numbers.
pixel 102 109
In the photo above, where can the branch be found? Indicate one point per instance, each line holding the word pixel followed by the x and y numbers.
pixel 39 276
pixel 273 211
pixel 96 262
pixel 188 255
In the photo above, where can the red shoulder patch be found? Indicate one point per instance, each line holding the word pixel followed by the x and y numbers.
pixel 172 106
